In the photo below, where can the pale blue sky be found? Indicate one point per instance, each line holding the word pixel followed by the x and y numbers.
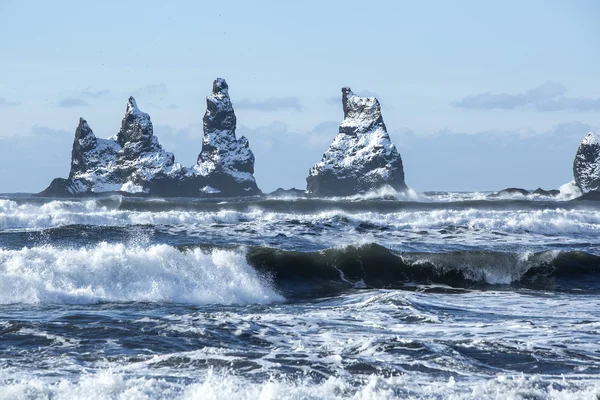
pixel 477 95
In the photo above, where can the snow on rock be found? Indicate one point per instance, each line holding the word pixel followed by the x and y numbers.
pixel 586 166
pixel 133 161
pixel 361 157
pixel 226 163
pixel 141 155
pixel 93 162
pixel 142 158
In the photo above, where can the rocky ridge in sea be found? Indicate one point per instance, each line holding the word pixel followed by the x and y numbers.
pixel 586 165
pixel 134 162
pixel 361 157
pixel 226 163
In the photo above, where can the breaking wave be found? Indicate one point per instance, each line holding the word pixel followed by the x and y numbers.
pixel 209 275
pixel 121 273
pixel 372 265
pixel 389 215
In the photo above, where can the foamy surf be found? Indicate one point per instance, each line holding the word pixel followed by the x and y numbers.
pixel 122 273
pixel 138 272
pixel 219 385
pixel 452 295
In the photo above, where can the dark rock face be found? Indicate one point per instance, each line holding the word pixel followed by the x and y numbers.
pixel 134 161
pixel 592 195
pixel 524 192
pixel 586 166
pixel 142 161
pixel 93 162
pixel 84 143
pixel 361 157
pixel 59 187
pixel 226 164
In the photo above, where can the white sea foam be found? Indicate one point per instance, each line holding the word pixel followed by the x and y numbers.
pixel 118 273
pixel 220 385
pixel 420 346
pixel 569 191
pixel 546 221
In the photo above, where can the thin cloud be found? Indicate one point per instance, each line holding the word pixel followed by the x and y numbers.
pixel 582 104
pixel 48 132
pixel 549 96
pixel 94 93
pixel 8 103
pixel 153 90
pixel 270 104
pixel 69 102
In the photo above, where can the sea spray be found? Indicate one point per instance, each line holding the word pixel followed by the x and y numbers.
pixel 123 273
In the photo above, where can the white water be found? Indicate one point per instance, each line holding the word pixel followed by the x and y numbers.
pixel 394 331
pixel 122 273
pixel 215 386
pixel 63 213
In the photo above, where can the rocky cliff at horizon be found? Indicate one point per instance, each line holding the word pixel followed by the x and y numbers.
pixel 586 166
pixel 133 161
pixel 361 157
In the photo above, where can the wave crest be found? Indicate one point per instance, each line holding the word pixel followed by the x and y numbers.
pixel 121 273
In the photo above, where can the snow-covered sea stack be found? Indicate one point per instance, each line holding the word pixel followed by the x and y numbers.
pixel 362 157
pixel 93 162
pixel 586 166
pixel 143 164
pixel 93 165
pixel 226 164
pixel 133 161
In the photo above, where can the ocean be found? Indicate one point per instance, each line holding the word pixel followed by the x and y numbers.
pixel 384 296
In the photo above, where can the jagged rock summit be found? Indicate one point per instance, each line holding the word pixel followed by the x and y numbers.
pixel 586 166
pixel 361 157
pixel 225 163
pixel 133 161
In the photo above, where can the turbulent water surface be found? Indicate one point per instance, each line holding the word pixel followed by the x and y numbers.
pixel 428 296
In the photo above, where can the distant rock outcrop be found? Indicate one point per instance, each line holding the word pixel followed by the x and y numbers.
pixel 361 157
pixel 525 192
pixel 293 192
pixel 586 166
pixel 133 161
pixel 226 164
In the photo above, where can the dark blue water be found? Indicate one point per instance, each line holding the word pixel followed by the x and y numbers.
pixel 446 295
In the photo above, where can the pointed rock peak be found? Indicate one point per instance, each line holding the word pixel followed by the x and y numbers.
pixel 136 125
pixel 132 106
pixel 134 113
pixel 346 93
pixel 220 87
pixel 361 157
pixel 219 111
pixel 83 124
pixel 591 139
pixel 83 130
pixel 355 105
